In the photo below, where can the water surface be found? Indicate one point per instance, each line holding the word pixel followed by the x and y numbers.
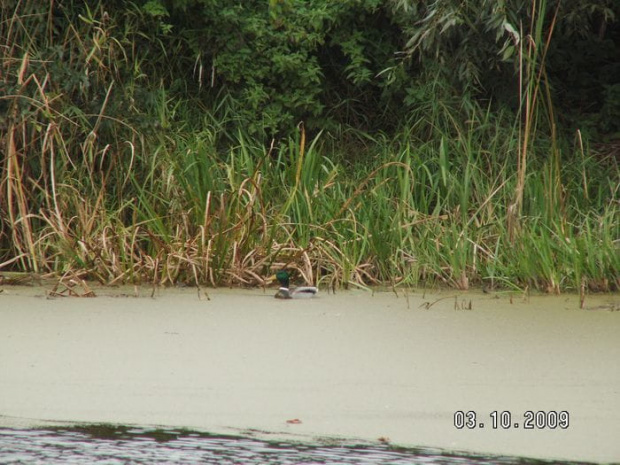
pixel 351 365
pixel 104 444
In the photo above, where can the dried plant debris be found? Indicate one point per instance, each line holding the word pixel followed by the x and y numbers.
pixel 71 285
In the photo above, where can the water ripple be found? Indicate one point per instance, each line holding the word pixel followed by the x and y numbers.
pixel 112 445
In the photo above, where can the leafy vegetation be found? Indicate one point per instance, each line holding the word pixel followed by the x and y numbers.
pixel 357 142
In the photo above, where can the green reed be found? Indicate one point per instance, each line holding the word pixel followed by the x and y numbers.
pixel 185 199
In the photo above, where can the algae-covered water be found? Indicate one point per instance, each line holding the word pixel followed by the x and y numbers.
pixel 352 366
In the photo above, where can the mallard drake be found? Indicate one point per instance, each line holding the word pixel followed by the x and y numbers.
pixel 285 292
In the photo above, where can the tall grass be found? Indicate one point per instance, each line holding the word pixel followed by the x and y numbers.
pixel 116 197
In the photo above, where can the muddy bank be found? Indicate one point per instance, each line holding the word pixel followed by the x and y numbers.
pixel 351 365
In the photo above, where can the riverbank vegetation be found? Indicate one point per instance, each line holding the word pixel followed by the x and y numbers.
pixel 357 143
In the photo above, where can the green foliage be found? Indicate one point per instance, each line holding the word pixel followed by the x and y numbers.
pixel 287 61
pixel 467 39
pixel 480 46
pixel 137 142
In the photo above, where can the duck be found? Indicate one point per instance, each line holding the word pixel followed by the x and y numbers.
pixel 286 292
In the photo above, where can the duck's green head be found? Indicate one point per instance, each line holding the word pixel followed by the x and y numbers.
pixel 283 278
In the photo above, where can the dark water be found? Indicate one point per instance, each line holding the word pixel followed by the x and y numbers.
pixel 112 445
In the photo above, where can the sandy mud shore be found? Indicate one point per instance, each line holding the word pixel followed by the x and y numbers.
pixel 350 365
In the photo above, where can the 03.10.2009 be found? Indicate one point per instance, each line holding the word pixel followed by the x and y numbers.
pixel 540 419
